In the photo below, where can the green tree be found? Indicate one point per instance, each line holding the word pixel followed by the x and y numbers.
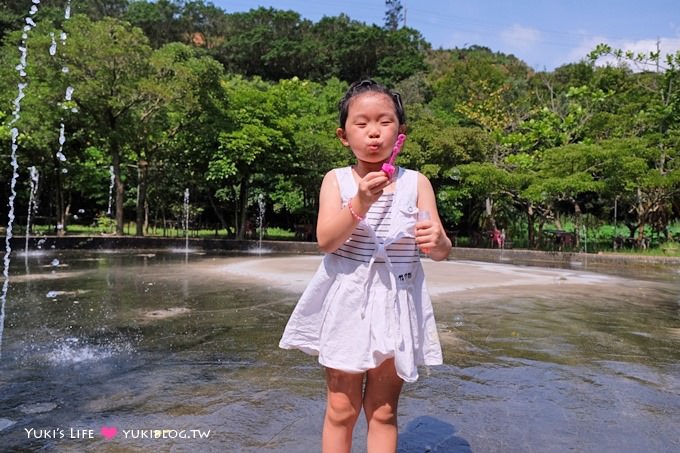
pixel 492 99
pixel 45 118
pixel 351 47
pixel 176 98
pixel 312 116
pixel 159 20
pixel 401 55
pixel 251 145
pixel 11 14
pixel 185 89
pixel 268 43
pixel 394 14
pixel 203 25
pixel 107 61
pixel 647 104
pixel 438 148
pixel 645 177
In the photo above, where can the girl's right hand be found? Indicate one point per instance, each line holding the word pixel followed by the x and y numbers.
pixel 370 189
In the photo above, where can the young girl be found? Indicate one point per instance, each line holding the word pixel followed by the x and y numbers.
pixel 366 311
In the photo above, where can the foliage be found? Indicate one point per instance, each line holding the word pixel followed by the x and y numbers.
pixel 105 224
pixel 240 107
pixel 394 14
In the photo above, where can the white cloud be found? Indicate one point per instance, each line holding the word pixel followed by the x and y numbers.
pixel 521 38
pixel 644 46
pixel 586 46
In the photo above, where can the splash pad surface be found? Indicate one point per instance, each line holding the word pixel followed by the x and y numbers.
pixel 168 345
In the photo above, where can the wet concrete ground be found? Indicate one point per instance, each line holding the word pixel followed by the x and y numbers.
pixel 178 353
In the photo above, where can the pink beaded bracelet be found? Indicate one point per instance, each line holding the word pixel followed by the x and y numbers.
pixel 353 212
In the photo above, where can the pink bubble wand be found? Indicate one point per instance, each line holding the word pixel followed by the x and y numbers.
pixel 388 167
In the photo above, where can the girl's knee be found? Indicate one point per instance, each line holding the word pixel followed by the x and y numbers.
pixel 384 414
pixel 344 397
pixel 340 411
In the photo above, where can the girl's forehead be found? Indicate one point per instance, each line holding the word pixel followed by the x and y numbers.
pixel 371 99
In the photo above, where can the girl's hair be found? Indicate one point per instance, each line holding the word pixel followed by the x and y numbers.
pixel 365 86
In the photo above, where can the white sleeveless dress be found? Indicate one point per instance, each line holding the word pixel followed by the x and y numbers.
pixel 368 301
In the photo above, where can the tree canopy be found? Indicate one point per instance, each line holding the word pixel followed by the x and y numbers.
pixel 171 95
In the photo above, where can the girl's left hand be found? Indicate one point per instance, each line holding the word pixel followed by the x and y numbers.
pixel 430 236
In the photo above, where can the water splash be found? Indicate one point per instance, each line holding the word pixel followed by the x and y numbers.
pixel 260 219
pixel 62 140
pixel 186 220
pixel 16 114
pixel 261 208
pixel 68 94
pixel 53 46
pixel 32 203
pixel 67 97
pixel 72 350
pixel 111 184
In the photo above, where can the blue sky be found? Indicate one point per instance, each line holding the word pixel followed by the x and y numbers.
pixel 543 33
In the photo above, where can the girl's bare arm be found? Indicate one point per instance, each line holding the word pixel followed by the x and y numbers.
pixel 430 234
pixel 335 223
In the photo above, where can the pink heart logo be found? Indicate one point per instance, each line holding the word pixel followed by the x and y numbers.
pixel 109 432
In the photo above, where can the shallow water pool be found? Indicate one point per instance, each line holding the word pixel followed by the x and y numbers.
pixel 161 351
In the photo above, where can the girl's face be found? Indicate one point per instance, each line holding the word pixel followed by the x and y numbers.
pixel 372 127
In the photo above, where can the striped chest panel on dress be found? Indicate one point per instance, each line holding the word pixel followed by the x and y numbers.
pixel 361 246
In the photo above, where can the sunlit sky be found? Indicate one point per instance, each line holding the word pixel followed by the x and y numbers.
pixel 543 33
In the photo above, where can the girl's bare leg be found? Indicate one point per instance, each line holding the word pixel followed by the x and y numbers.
pixel 342 410
pixel 381 397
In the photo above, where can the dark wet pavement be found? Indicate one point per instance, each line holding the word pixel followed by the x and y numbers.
pixel 170 353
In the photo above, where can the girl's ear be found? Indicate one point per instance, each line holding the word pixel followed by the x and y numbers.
pixel 340 133
pixel 402 129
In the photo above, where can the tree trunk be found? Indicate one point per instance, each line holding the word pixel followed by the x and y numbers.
pixel 578 219
pixel 216 210
pixel 530 227
pixel 120 187
pixel 146 217
pixel 641 214
pixel 243 199
pixel 490 219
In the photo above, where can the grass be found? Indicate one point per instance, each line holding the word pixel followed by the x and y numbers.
pixel 598 242
pixel 274 233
